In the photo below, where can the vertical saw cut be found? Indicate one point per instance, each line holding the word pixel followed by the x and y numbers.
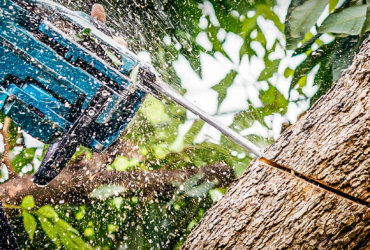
pixel 66 82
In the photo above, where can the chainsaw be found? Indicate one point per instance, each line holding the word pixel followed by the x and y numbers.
pixel 66 82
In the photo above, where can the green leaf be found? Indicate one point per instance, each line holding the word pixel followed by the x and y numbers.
pixel 288 72
pixel 28 202
pixel 80 215
pixel 49 230
pixel 346 21
pixel 105 191
pixel 115 60
pixel 122 163
pixel 67 239
pixel 154 110
pixel 244 119
pixel 89 232
pixel 112 228
pixel 161 150
pixel 274 100
pixel 191 225
pixel 246 49
pixel 324 80
pixel 48 212
pixel 79 242
pixel 65 226
pixel 23 158
pixel 82 151
pixel 332 4
pixel 216 194
pixel 200 190
pixel 302 15
pixel 192 55
pixel 306 45
pixel 87 31
pixel 269 70
pixel 192 182
pixel 117 202
pixel 366 27
pixel 227 21
pixel 311 61
pixel 59 231
pixel 217 45
pixel 261 37
pixel 191 188
pixel 268 13
pixel 248 26
pixel 29 223
pixel 193 132
pixel 303 69
pixel 223 85
pixel 134 200
pixel 344 54
pixel 69 236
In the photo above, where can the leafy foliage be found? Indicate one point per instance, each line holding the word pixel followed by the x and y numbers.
pixel 223 85
pixel 302 15
pixel 347 21
pixel 59 232
pixel 347 25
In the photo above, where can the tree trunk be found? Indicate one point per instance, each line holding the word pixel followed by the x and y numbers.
pixel 314 191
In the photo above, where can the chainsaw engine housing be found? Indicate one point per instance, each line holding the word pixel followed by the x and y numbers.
pixel 53 62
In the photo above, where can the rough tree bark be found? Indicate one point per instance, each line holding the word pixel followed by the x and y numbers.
pixel 272 208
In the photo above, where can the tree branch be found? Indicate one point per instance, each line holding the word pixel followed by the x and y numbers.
pixel 81 177
pixel 6 157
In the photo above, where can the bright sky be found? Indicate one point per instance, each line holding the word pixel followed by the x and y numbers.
pixel 245 85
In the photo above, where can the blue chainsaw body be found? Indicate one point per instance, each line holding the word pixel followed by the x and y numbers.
pixel 44 89
pixel 64 80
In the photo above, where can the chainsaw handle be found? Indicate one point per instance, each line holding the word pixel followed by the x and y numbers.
pixel 59 153
pixel 56 158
